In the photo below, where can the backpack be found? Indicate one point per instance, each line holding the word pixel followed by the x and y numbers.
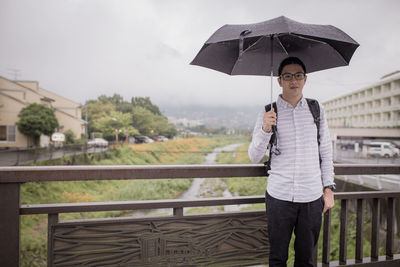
pixel 313 105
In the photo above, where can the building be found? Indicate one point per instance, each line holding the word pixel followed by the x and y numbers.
pixel 375 106
pixel 15 95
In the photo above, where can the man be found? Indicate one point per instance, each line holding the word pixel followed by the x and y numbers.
pixel 300 188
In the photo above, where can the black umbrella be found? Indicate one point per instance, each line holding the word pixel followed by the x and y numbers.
pixel 258 49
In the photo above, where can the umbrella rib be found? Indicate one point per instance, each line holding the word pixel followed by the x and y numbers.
pixel 264 36
pixel 309 39
pixel 284 49
pixel 324 43
pixel 256 42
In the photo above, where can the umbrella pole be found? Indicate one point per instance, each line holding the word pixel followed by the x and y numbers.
pixel 272 66
pixel 274 129
pixel 271 75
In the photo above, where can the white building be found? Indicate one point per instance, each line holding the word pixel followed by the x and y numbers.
pixel 375 106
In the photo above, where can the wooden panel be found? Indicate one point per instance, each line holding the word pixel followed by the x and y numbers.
pixel 234 239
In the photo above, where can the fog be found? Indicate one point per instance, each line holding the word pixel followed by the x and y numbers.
pixel 82 49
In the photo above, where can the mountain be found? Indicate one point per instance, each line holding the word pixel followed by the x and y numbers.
pixel 213 116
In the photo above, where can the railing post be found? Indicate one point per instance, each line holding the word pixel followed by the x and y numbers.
pixel 343 233
pixel 360 231
pixel 9 224
pixel 326 238
pixel 375 230
pixel 390 229
pixel 178 211
pixel 52 220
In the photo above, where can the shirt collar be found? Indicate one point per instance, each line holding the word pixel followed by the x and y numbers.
pixel 281 103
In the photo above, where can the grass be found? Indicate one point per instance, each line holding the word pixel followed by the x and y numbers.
pixel 247 186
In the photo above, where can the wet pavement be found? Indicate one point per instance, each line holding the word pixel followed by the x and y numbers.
pixel 350 156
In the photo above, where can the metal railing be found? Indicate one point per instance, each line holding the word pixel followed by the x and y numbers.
pixel 12 177
pixel 20 156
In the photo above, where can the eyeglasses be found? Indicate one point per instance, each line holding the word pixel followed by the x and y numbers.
pixel 298 76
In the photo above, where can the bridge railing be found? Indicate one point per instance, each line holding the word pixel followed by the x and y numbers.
pixel 10 209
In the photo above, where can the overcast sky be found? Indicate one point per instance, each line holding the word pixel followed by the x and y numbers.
pixel 81 49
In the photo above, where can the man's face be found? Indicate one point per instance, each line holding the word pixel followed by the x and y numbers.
pixel 292 88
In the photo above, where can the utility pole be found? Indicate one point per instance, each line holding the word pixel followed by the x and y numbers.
pixel 86 125
pixel 15 72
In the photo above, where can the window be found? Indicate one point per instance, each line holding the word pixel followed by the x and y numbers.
pixel 8 133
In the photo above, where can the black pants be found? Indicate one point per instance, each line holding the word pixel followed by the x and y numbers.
pixel 283 217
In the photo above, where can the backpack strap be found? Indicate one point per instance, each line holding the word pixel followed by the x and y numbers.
pixel 313 105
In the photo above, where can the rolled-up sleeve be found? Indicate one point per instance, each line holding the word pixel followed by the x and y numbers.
pixel 260 140
pixel 325 151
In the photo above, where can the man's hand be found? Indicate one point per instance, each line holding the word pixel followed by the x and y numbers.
pixel 328 199
pixel 269 119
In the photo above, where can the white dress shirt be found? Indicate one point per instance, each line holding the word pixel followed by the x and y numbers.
pixel 296 174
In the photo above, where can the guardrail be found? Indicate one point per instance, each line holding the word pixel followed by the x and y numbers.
pixel 12 177
pixel 21 156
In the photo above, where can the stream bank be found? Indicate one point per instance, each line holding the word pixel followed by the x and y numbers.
pixel 203 187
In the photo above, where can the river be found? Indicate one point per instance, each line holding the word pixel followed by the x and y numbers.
pixel 202 187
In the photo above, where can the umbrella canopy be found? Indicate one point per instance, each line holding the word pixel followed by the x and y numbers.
pixel 258 49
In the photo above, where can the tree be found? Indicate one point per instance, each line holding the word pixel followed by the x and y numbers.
pixel 116 99
pixel 145 117
pixel 145 102
pixel 115 120
pixel 143 120
pixel 69 136
pixel 162 127
pixel 97 110
pixel 35 120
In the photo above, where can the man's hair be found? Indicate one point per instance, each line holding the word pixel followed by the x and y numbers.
pixel 289 61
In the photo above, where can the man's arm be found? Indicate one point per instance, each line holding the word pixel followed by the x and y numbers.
pixel 260 140
pixel 326 161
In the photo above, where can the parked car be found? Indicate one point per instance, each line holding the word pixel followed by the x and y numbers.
pixel 162 138
pixel 143 139
pixel 382 149
pixel 347 145
pixel 98 142
pixel 154 138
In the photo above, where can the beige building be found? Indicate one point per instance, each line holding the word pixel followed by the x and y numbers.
pixel 374 106
pixel 15 95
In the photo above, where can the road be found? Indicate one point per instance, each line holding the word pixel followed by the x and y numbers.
pixel 349 156
pixel 378 182
pixel 21 157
